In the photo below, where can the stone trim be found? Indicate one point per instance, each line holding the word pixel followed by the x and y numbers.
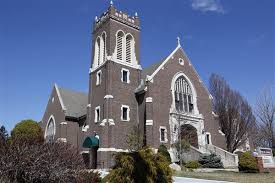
pixel 108 96
pixel 165 134
pixel 210 140
pixel 149 122
pixel 98 79
pixel 62 139
pixel 110 121
pixel 98 117
pixel 111 149
pixel 194 92
pixel 149 99
pixel 51 117
pixel 128 75
pixel 85 128
pixel 84 152
pixel 59 97
pixel 128 112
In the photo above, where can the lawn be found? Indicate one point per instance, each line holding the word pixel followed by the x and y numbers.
pixel 231 176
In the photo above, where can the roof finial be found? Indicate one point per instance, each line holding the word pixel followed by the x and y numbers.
pixel 96 19
pixel 178 38
pixel 111 3
pixel 136 14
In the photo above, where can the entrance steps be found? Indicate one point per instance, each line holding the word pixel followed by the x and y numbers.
pixel 228 159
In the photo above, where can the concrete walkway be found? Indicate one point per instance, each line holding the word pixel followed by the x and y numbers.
pixel 192 180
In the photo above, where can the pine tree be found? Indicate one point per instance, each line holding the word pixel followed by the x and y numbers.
pixel 3 135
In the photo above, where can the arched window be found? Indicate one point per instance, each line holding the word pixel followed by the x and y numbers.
pixel 119 42
pixel 97 52
pixel 103 47
pixel 50 130
pixel 129 48
pixel 183 96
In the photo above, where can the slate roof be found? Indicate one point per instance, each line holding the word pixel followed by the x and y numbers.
pixel 74 102
pixel 150 70
pixel 147 71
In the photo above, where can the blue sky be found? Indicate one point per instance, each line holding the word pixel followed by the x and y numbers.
pixel 46 42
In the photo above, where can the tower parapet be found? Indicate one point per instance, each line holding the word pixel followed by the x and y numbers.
pixel 114 14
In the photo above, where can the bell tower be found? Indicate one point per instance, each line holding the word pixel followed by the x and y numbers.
pixel 116 38
pixel 114 75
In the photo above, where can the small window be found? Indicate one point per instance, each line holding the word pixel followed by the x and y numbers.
pixel 181 61
pixel 163 134
pixel 125 74
pixel 125 113
pixel 175 128
pixel 98 77
pixel 97 114
pixel 208 138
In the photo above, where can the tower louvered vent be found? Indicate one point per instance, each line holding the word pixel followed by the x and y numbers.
pixel 129 48
pixel 119 45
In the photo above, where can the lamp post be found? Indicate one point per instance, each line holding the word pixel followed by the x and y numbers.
pixel 180 119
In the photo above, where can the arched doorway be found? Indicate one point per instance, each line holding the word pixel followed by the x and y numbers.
pixel 189 133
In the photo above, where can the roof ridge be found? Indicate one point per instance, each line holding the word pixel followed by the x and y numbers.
pixel 72 90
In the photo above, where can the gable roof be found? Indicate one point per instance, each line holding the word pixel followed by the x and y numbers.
pixel 74 103
pixel 149 70
pixel 152 70
pixel 163 63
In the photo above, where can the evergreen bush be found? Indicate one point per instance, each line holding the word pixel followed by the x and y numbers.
pixel 192 164
pixel 247 163
pixel 139 167
pixel 210 161
pixel 163 150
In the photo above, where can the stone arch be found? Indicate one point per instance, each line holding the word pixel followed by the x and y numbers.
pixel 189 133
pixel 50 130
pixel 193 90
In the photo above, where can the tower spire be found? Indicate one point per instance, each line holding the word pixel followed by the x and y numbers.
pixel 111 3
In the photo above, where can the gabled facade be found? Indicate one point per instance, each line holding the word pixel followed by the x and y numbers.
pixel 166 101
pixel 65 116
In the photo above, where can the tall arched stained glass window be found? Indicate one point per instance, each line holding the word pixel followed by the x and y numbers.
pixel 183 96
pixel 50 132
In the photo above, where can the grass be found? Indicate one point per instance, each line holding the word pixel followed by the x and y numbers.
pixel 231 176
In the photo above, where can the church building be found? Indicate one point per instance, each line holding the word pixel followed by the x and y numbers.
pixel 165 101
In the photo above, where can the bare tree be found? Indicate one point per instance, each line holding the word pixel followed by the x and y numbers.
pixel 134 139
pixel 265 113
pixel 234 113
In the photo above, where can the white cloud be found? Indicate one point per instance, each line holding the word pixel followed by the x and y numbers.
pixel 207 5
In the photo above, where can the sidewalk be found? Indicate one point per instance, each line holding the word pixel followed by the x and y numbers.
pixel 192 180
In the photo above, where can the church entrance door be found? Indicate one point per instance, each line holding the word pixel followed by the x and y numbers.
pixel 189 133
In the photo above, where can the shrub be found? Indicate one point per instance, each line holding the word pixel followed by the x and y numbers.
pixel 210 161
pixel 49 162
pixel 192 164
pixel 141 166
pixel 87 176
pixel 27 131
pixel 163 151
pixel 247 163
